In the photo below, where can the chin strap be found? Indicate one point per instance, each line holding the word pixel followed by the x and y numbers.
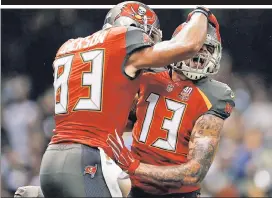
pixel 170 71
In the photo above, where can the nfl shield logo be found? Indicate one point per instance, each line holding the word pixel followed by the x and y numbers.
pixel 169 87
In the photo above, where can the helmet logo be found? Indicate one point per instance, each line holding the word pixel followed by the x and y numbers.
pixel 138 13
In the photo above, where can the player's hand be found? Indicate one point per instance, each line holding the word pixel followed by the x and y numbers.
pixel 122 155
pixel 211 18
pixel 29 191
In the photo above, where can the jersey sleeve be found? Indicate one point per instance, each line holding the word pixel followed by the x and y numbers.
pixel 220 97
pixel 136 39
pixel 223 104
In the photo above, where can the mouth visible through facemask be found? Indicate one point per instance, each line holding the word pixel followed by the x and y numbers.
pixel 197 59
pixel 197 62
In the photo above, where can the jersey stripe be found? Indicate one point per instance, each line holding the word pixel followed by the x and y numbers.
pixel 205 98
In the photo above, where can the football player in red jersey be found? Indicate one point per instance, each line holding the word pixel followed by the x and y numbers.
pixel 180 113
pixel 95 81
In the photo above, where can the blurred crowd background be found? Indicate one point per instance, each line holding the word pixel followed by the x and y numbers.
pixel 30 39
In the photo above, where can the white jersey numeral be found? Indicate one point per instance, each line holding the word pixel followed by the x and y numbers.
pixel 171 125
pixel 61 82
pixel 93 79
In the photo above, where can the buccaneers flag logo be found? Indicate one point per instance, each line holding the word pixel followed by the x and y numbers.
pixel 90 170
pixel 228 108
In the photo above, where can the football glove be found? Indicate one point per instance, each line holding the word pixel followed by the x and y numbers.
pixel 211 18
pixel 122 156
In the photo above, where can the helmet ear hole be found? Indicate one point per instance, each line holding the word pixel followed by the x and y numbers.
pixel 133 24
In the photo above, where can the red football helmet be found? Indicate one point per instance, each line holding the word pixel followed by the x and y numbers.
pixel 133 13
pixel 207 60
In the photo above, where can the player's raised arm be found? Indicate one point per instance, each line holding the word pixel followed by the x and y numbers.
pixel 183 46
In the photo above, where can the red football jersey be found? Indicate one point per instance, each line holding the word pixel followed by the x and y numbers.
pixel 93 94
pixel 166 113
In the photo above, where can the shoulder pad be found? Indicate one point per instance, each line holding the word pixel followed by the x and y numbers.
pixel 219 94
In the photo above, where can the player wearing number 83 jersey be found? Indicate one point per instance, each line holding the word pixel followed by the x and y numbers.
pixel 87 84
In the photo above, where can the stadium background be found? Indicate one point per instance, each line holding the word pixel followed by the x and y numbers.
pixel 30 39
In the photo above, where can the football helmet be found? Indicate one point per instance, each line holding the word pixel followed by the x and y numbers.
pixel 134 13
pixel 207 60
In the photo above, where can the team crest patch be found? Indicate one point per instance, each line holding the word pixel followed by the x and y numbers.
pixel 91 170
pixel 185 93
pixel 228 108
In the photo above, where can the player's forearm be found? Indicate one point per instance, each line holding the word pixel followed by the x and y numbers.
pixel 184 45
pixel 156 175
pixel 190 173
pixel 202 148
pixel 192 36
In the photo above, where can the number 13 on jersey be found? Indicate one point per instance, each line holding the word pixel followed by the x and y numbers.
pixel 93 79
pixel 170 125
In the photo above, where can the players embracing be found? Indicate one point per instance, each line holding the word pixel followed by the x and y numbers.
pixel 179 114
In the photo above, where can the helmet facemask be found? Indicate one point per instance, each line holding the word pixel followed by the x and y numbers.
pixel 206 62
pixel 151 30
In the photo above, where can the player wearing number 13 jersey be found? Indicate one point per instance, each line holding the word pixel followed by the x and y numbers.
pixel 95 81
pixel 179 113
